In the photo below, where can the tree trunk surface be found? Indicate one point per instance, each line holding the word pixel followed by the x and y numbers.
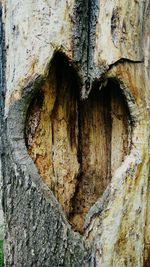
pixel 75 115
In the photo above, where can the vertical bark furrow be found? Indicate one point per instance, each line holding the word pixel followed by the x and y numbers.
pixel 85 14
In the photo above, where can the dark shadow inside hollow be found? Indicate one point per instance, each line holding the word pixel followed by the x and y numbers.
pixel 76 145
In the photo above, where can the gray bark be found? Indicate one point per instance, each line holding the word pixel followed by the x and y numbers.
pixel 2 67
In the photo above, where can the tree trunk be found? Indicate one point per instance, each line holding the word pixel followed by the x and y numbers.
pixel 75 105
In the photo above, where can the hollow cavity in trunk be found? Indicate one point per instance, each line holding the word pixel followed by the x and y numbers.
pixel 76 145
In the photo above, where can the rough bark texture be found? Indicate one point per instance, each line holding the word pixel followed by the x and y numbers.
pixel 76 133
pixel 1 116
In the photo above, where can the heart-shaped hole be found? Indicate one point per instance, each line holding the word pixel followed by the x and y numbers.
pixel 76 145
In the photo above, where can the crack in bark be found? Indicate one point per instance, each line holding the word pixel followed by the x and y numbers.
pixel 86 14
pixel 125 60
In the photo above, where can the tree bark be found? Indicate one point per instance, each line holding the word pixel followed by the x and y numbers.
pixel 75 115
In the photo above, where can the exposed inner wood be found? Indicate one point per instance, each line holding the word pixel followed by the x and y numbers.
pixel 76 145
pixel 54 143
pixel 95 153
pixel 104 140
